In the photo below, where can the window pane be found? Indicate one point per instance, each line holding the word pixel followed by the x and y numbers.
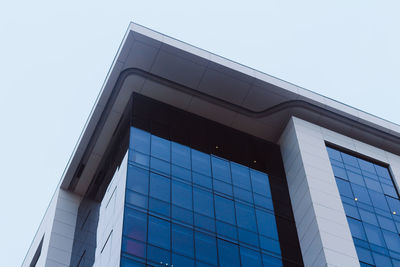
pixel 159 232
pixel 339 172
pixel 374 235
pixel 139 140
pixel 226 230
pixel 181 173
pixel 364 255
pixel 392 240
pixel 224 210
pixel 202 180
pixel 182 240
pixel 138 180
pixel 178 260
pixel 160 207
pixel 394 204
pixel 247 237
pixel 203 202
pixel 222 187
pixel 361 194
pixel 334 154
pixel 182 214
pixel 160 148
pixel 344 188
pixel 228 254
pixel 366 166
pixel 135 224
pixel 201 162
pixel 182 194
pixel 180 155
pixel 160 166
pixel 240 176
pixel 221 170
pixel 378 201
pixel 157 255
pixel 125 262
pixel 139 159
pixel 355 178
pixel 250 258
pixel 160 187
pixel 373 185
pixel 206 248
pixel 350 160
pixel 266 224
pixel 204 222
pixel 270 245
pixel 368 217
pixel 386 223
pixel 246 217
pixel 260 183
pixel 242 194
pixel 133 247
pixel 271 261
pixel 356 228
pixel 136 199
pixel 382 172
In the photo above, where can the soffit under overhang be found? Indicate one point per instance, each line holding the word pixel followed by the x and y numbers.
pixel 199 82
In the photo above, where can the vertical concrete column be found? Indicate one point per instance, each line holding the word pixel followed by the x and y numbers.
pixel 324 234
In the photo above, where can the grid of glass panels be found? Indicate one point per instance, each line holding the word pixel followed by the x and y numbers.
pixel 372 207
pixel 187 208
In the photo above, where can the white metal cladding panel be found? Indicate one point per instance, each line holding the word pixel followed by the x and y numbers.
pixel 109 230
pixel 57 227
pixel 324 235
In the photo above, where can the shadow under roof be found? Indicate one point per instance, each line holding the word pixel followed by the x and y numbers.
pixel 197 81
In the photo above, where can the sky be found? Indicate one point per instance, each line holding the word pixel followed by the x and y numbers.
pixel 54 56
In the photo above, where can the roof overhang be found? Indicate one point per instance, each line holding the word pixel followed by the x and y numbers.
pixel 213 87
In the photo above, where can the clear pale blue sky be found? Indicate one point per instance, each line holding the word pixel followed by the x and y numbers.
pixel 54 56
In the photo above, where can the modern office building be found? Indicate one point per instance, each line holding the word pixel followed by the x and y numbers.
pixel 189 159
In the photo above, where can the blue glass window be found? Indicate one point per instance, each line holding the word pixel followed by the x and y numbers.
pixel 260 183
pixel 180 155
pixel 134 247
pixel 178 260
pixel 201 162
pixel 224 210
pixel 184 207
pixel 228 254
pixel 266 224
pixel 135 224
pixel 246 217
pixel 220 169
pixel 182 194
pixel 203 202
pixel 140 140
pixel 138 180
pixel 160 187
pixel 160 148
pixel 159 232
pixel 182 240
pixel 241 176
pixel 371 204
pixel 206 248
pixel 250 257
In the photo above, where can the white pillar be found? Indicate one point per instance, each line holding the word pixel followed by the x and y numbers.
pixel 321 223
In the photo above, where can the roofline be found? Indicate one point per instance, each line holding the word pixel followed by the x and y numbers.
pixel 306 98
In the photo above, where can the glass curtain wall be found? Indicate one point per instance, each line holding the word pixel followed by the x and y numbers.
pixel 372 206
pixel 188 208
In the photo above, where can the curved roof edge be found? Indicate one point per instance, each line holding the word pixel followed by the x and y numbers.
pixel 211 86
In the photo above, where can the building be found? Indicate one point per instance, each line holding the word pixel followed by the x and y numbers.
pixel 189 159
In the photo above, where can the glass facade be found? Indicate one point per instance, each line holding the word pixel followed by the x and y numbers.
pixel 184 207
pixel 372 206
